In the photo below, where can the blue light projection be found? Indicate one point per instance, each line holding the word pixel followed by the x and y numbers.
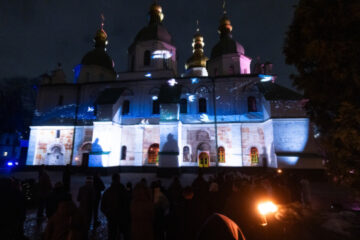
pixel 77 70
pixel 265 78
pixel 194 80
pixel 148 75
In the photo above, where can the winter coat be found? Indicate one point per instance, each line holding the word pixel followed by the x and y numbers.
pixel 142 214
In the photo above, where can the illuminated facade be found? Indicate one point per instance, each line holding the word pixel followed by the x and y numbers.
pixel 218 111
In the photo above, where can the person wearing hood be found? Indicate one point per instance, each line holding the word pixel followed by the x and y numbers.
pixel 219 226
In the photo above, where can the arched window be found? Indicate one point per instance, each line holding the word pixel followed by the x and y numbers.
pixel 202 105
pixel 221 154
pixel 183 105
pixel 123 153
pixel 60 100
pixel 87 77
pixel 147 58
pixel 101 77
pixel 57 133
pixel 156 107
pixel 251 104
pixel 254 155
pixel 126 107
pixel 153 153
pixel 186 154
pixel 231 70
pixel 132 64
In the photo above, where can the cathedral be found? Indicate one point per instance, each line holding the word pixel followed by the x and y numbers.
pixel 219 111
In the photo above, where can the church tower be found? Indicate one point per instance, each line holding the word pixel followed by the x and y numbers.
pixel 227 56
pixel 152 48
pixel 196 65
pixel 96 65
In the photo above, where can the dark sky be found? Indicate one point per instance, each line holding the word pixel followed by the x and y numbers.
pixel 36 34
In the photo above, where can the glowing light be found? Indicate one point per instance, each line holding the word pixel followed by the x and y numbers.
pixel 90 109
pixel 148 75
pixel 279 171
pixel 172 82
pixel 266 78
pixel 5 154
pixel 76 158
pixel 10 164
pixel 16 163
pixel 163 54
pixel 194 80
pixel 204 118
pixel 191 98
pixel 154 98
pixel 267 207
pixel 316 135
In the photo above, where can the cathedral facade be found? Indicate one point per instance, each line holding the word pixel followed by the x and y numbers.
pixel 219 112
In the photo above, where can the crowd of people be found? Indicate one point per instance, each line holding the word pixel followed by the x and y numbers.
pixel 215 207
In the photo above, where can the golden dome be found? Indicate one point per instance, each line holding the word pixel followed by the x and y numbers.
pixel 101 35
pixel 198 59
pixel 225 24
pixel 156 9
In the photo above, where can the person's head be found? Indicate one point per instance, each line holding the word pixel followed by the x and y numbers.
pixel 188 193
pixel 89 180
pixel 115 178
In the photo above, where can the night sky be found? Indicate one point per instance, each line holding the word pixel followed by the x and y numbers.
pixel 37 34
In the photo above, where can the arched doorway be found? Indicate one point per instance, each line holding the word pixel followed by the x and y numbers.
pixel 153 153
pixel 85 150
pixel 254 156
pixel 55 155
pixel 203 152
pixel 204 159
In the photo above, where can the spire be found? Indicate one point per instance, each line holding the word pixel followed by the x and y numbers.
pixel 155 13
pixel 198 59
pixel 100 37
pixel 225 27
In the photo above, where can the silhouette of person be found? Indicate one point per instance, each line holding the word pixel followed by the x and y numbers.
pixel 96 150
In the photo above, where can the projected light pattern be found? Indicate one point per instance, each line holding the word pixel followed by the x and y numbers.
pixel 161 54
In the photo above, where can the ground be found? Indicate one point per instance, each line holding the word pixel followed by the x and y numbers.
pixel 319 222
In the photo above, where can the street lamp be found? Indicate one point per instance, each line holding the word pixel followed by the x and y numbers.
pixel 266 208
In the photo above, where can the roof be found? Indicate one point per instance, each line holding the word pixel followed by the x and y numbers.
pixel 98 57
pixel 227 45
pixel 154 31
pixel 109 96
pixel 170 94
pixel 273 91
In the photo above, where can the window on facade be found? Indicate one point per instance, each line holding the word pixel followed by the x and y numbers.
pixel 153 153
pixel 221 154
pixel 183 105
pixel 202 105
pixel 186 154
pixel 57 133
pixel 126 107
pixel 231 70
pixel 60 100
pixel 147 58
pixel 87 77
pixel 215 72
pixel 132 64
pixel 123 153
pixel 156 107
pixel 101 77
pixel 251 104
pixel 254 156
